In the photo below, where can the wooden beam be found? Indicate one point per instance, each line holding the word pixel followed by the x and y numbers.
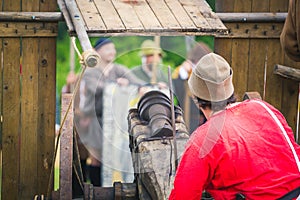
pixel 78 23
pixel 67 18
pixel 31 16
pixel 28 29
pixel 90 57
pixel 252 17
pixel 252 30
pixel 287 72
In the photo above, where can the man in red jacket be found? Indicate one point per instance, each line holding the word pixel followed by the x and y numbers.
pixel 244 149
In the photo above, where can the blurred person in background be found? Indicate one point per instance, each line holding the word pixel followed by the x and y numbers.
pixel 90 108
pixel 193 117
pixel 151 70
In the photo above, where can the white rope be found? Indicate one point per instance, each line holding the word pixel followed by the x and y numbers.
pixel 73 39
pixel 283 131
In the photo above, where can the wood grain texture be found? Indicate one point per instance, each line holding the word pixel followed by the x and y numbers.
pixel 29 115
pixel 128 15
pixel 46 112
pixel 91 15
pixel 109 15
pixel 11 111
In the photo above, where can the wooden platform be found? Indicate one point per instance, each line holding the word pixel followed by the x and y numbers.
pixel 144 17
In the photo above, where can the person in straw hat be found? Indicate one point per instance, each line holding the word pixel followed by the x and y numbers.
pixel 151 68
pixel 245 150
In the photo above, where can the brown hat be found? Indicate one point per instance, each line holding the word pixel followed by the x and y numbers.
pixel 211 79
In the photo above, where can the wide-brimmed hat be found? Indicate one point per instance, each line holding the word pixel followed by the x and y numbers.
pixel 149 47
pixel 211 80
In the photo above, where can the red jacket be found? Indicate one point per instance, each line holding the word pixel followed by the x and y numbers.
pixel 240 150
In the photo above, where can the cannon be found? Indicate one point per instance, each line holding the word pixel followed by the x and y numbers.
pixel 151 143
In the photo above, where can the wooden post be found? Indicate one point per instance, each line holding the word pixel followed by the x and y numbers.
pixel 90 56
pixel 27 102
pixel 10 111
pixel 66 149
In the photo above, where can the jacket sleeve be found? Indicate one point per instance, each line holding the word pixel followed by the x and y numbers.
pixel 88 87
pixel 126 73
pixel 191 176
pixel 290 36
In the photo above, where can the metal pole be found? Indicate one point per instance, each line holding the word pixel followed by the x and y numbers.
pixel 173 117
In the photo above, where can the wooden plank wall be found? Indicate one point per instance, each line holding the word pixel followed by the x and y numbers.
pixel 253 58
pixel 27 106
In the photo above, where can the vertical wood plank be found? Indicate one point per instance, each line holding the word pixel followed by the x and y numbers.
pixel 260 6
pixel 279 5
pixel 29 110
pixel 224 6
pixel 274 83
pixel 47 103
pixel 257 61
pixel 224 48
pixel 66 149
pixel 11 111
pixel 239 64
pixel 46 129
pixel 242 6
pixel 11 119
pixel 240 54
pixel 258 54
pixel 29 107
